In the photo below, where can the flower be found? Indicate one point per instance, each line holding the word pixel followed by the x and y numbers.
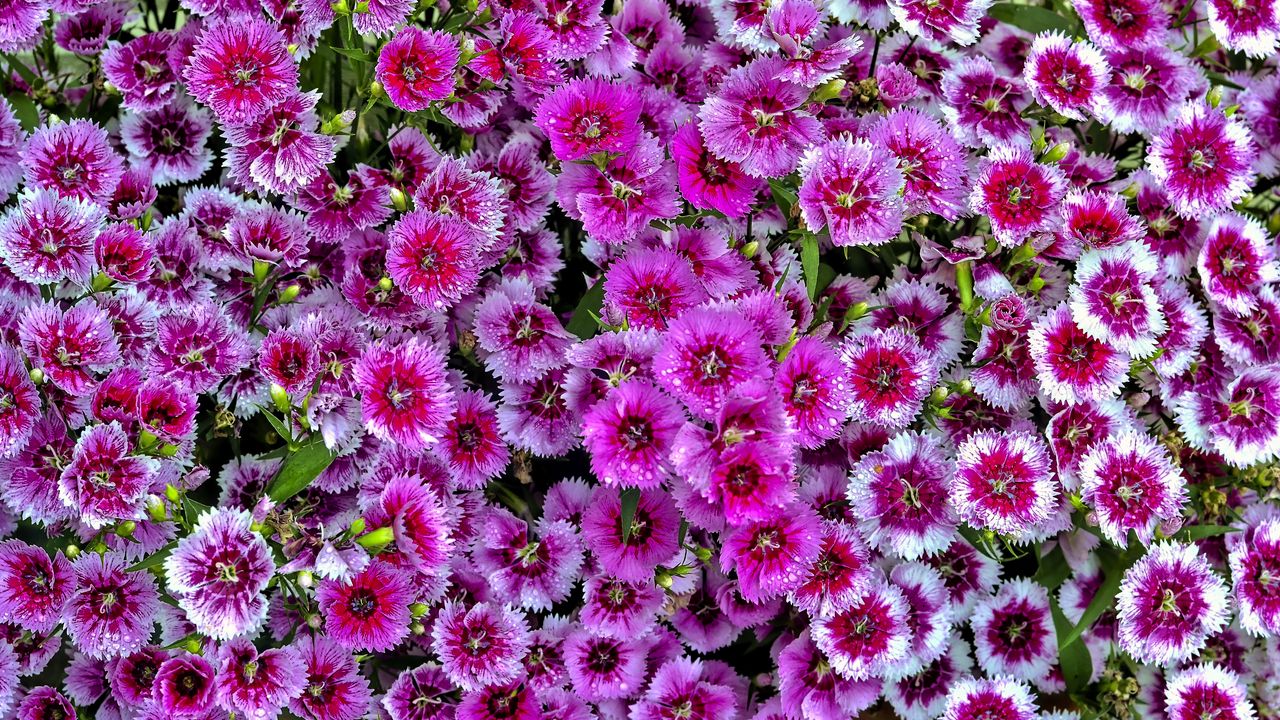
pixel 539 569
pixel 219 573
pixel 281 151
pixel 472 445
pixel 255 683
pixel 74 160
pixel 103 483
pixel 650 286
pixel 983 107
pixel 757 120
pixel 169 142
pixel 889 377
pixel 1004 481
pixel 1252 565
pixel 868 638
pixel 34 588
pixel 1204 160
pixel 1132 484
pixel 1252 29
pixel 1073 367
pixel 841 573
pixel 630 433
pixel 705 353
pixel 708 182
pixel 19 402
pixel 239 69
pixel 955 20
pixel 814 391
pixel 630 553
pixel 481 645
pixel 419 694
pixel 1000 698
pixel 1170 602
pixel 1235 261
pixel 1201 689
pixel 683 683
pixel 772 556
pixel 604 668
pixel 1118 24
pixel 1067 76
pixel 1020 196
pixel 930 160
pixel 853 189
pixel 184 686
pixel 1014 633
pixel 1113 301
pixel 1147 84
pixel 416 67
pixel 405 398
pixel 900 495
pixel 432 258
pixel 140 69
pixel 370 611
pixel 44 702
pixel 48 237
pixel 124 254
pixel 335 689
pixel 589 115
pixel 1240 421
pixel 111 611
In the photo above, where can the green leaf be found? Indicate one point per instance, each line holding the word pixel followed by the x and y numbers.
pixel 1031 18
pixel 1073 657
pixel 24 108
pixel 630 499
pixel 278 425
pixel 1054 570
pixel 1206 46
pixel 583 322
pixel 1200 532
pixel 192 510
pixel 300 468
pixel 809 263
pixel 357 54
pixel 155 559
pixel 783 196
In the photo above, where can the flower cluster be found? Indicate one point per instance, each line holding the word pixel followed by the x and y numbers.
pixel 654 360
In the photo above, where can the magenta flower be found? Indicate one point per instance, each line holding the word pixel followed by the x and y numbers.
pixel 1195 691
pixel 219 573
pixel 1113 301
pixel 1250 28
pixel 629 435
pixel 1132 485
pixel 1067 76
pixel 706 181
pixel 416 67
pixel 102 481
pixel 112 612
pixel 932 163
pixel 124 254
pixel 44 702
pixel 539 569
pixel 616 201
pixel 1204 160
pixel 773 556
pixel 650 540
pixel 474 197
pixel 841 574
pixel 169 142
pixel 239 69
pixel 705 353
pixel 854 190
pixel 901 496
pixel 954 20
pixel 1070 365
pixel 1020 196
pixel 1093 220
pixel 1001 698
pixel 422 693
pixel 369 612
pixel 258 684
pixel 604 668
pixel 472 445
pixel 587 116
pixel 618 608
pixel 184 686
pixel 141 70
pixel 1253 566
pixel 49 237
pixel 1235 261
pixel 889 375
pixel 650 286
pixel 73 159
pixel 870 637
pixel 811 381
pixel 1147 85
pixel 280 151
pixel 1013 632
pixel 34 588
pixel 685 683
pixel 983 107
pixel 334 688
pixel 481 645
pixel 1119 24
pixel 198 347
pixel 19 402
pixel 1240 421
pixel 1004 481
pixel 20 24
pixel 522 337
pixel 1170 602
pixel 405 397
pixel 758 121
pixel 432 258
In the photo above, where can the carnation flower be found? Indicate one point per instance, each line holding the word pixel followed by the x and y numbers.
pixel 651 286
pixel 1240 421
pixel 1096 220
pixel 334 689
pixel 474 197
pixel 124 254
pixel 141 71
pixel 618 608
pixel 901 496
pixel 102 481
pixel 1000 698
pixel 432 258
pixel 983 107
pixel 416 67
pixel 811 381
pixel 630 433
pixel 868 638
pixel 219 573
pixel 757 120
pixel 370 611
pixel 418 522
pixel 198 347
pixel 405 397
pixel 20 24
pixel 589 115
pixel 1236 259
pixel 49 237
pixel 481 645
pixel 1132 485
pixel 1004 481
pixel 929 617
pixel 854 190
pixel 1067 76
pixel 280 151
pixel 1020 196
pixel 632 554
pixel 704 354
pixel 169 142
pixel 1014 633
pixel 708 182
pixel 44 702
pixel 808 686
pixel 112 611
pixel 1170 602
pixel 538 569
pixel 955 20
pixel 258 683
pixel 239 69
pixel 1118 24
pixel 1112 299
pixel 604 668
pixel 1250 28
pixel 1204 160
pixel 923 695
pixel 184 686
pixel 684 683
pixel 34 588
pixel 74 160
pixel 889 376
pixel 773 556
pixel 1206 689
pixel 1147 84
pixel 1073 367
pixel 616 200
pixel 19 402
pixel 420 694
pixel 472 444
pixel 1253 571
pixel 932 163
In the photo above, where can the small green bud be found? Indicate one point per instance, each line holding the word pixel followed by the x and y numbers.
pixel 36 375
pixel 261 268
pixel 377 540
pixel 399 200
pixel 280 397
pixel 419 609
pixel 72 552
pixel 385 284
pixel 193 646
pixel 664 579
pixel 126 529
pixel 829 90
pixel 305 579
pixel 168 450
pixel 1057 153
pixel 751 248
pixel 418 629
pixel 156 509
pixel 290 293
pixel 172 493
pixel 1215 96
pixel 357 526
pixel 857 311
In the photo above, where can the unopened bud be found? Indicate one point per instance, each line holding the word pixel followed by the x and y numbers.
pixel 663 579
pixel 857 311
pixel 357 526
pixel 385 284
pixel 376 540
pixel 168 450
pixel 362 7
pixel 751 248
pixel 341 7
pixel 36 375
pixel 418 629
pixel 305 579
pixel 418 609
pixel 156 509
pixel 72 552
pixel 193 646
pixel 126 529
pixel 828 91
pixel 1215 96
pixel 290 293
pixel 399 200
pixel 172 493
pixel 280 397
pixel 1057 153
pixel 314 622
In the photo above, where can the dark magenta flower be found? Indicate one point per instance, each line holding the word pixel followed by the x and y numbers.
pixel 239 69
pixel 416 67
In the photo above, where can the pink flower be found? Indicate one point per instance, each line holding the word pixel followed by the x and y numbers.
pixel 69 346
pixel 901 497
pixel 432 258
pixel 1004 481
pixel 868 638
pixel 405 397
pixel 1020 196
pixel 889 377
pixel 1204 160
pixel 416 67
pixel 481 645
pixel 219 574
pixel 370 611
pixel 708 182
pixel 1132 484
pixel 1170 602
pixel 854 190
pixel 758 121
pixel 73 159
pixel 954 20
pixel 1067 76
pixel 587 116
pixel 240 69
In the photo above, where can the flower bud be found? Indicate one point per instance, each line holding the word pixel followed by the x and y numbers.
pixel 1057 153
